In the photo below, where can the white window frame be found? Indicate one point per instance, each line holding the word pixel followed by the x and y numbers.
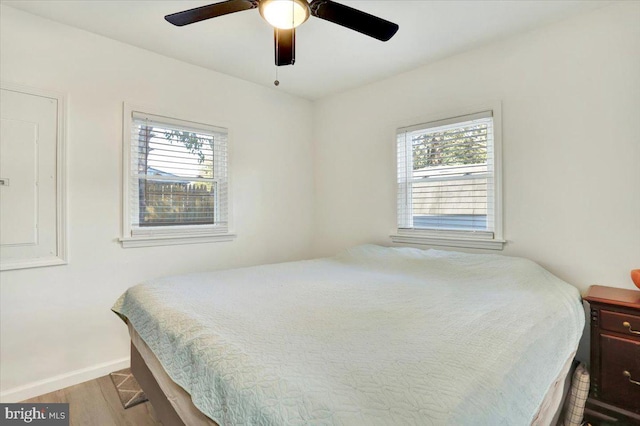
pixel 165 235
pixel 459 238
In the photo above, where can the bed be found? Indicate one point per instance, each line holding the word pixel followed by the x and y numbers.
pixel 373 335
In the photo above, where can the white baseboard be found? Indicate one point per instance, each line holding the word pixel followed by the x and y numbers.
pixel 41 387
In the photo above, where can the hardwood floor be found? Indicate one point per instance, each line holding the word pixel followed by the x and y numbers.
pixel 96 403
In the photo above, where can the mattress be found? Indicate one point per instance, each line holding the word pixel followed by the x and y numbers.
pixel 372 336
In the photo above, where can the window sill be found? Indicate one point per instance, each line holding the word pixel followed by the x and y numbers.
pixel 460 242
pixel 168 240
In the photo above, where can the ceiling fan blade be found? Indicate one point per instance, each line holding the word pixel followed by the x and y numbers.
pixel 198 14
pixel 354 19
pixel 285 45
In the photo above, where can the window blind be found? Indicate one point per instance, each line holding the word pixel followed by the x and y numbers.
pixel 446 175
pixel 178 175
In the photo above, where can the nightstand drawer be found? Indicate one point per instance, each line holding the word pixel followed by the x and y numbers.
pixel 621 323
pixel 620 371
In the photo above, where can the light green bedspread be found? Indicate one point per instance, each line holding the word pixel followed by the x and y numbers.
pixel 373 336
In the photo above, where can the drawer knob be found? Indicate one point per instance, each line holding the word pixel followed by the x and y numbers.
pixel 626 374
pixel 628 325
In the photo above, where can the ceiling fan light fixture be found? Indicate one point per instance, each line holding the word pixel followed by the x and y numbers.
pixel 284 14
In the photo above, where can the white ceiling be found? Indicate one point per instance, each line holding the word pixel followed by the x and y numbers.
pixel 329 58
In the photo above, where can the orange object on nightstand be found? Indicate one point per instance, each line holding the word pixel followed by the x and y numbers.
pixel 635 277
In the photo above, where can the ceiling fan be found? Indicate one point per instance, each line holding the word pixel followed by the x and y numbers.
pixel 286 15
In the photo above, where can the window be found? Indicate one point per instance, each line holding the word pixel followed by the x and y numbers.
pixel 448 182
pixel 176 186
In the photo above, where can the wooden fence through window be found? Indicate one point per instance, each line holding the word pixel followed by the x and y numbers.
pixel 165 203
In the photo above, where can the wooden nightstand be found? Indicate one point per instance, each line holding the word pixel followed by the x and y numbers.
pixel 614 398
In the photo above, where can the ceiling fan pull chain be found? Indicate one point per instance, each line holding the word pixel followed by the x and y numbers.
pixel 276 82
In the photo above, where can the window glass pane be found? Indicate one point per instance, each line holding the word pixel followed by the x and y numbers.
pixel 459 204
pixel 174 153
pixel 453 147
pixel 176 203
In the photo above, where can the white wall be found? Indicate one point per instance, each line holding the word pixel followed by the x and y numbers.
pixel 56 320
pixel 570 97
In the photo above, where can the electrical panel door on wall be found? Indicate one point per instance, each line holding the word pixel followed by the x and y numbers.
pixel 31 210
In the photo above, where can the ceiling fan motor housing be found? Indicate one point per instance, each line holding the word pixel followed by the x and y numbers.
pixel 285 14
